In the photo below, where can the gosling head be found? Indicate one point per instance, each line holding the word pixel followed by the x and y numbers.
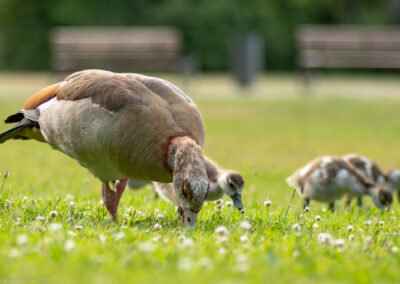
pixel 191 197
pixel 232 185
pixel 381 196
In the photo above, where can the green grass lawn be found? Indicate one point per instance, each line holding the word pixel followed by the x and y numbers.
pixel 265 140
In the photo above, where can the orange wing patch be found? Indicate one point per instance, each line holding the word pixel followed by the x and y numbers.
pixel 42 96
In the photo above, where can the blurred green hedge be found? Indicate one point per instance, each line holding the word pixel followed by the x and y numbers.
pixel 208 26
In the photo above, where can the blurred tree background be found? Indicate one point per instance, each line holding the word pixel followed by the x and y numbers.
pixel 207 26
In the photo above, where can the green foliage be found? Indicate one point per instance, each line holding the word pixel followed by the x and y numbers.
pixel 208 26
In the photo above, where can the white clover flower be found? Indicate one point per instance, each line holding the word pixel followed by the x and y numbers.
pixel 23 207
pixel 222 240
pixel 55 227
pixel 187 243
pixel 185 263
pixel 157 227
pixel 146 247
pixel 156 211
pixel 71 233
pixel 267 203
pixel 296 254
pixel 315 225
pixel 318 218
pixel 123 227
pixel 218 201
pixel 350 228
pixel 245 225
pixel 296 227
pixel 119 236
pixel 72 205
pixel 34 201
pixel 221 251
pixel 394 249
pixel 78 227
pixel 40 218
pixel 69 245
pixel 244 239
pixel 324 238
pixel 229 204
pixel 155 239
pixel 205 263
pixel 160 216
pixel 22 240
pixel 307 209
pixel 323 209
pixel 351 237
pixel 368 240
pixel 367 223
pixel 241 258
pixel 69 196
pixel 276 222
pixel 25 198
pixel 53 213
pixel 243 211
pixel 221 231
pixel 102 238
pixel 220 207
pixel 101 202
pixel 14 253
pixel 381 223
pixel 338 243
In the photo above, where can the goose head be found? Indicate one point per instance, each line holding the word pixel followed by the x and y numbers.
pixel 381 196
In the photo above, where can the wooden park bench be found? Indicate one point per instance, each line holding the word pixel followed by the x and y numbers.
pixel 344 47
pixel 115 48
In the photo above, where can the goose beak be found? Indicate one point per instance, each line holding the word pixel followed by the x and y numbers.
pixel 237 200
pixel 188 218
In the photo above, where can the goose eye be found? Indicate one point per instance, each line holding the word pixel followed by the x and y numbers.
pixel 231 184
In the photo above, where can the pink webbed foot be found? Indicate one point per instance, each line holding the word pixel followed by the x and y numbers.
pixel 111 198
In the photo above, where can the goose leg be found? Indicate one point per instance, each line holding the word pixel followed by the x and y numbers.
pixel 120 186
pixel 111 198
pixel 332 207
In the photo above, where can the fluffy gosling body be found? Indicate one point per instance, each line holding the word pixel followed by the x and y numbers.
pixel 328 178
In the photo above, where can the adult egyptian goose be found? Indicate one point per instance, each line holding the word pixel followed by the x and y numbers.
pixel 221 182
pixel 122 126
pixel 328 178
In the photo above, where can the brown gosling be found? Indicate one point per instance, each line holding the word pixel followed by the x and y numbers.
pixel 390 180
pixel 221 181
pixel 329 178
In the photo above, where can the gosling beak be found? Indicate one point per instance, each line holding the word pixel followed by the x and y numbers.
pixel 237 200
